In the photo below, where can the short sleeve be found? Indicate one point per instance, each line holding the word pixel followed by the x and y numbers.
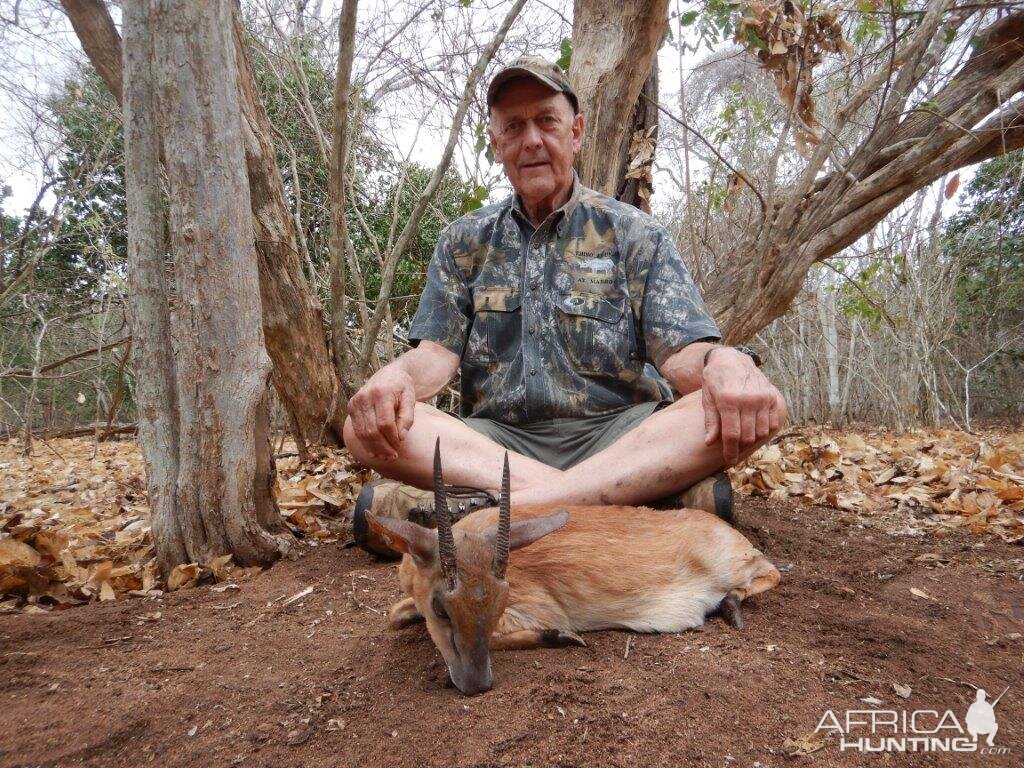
pixel 674 314
pixel 445 306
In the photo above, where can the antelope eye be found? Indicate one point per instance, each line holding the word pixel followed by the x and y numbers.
pixel 438 608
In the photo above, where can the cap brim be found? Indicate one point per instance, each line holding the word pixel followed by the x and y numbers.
pixel 515 72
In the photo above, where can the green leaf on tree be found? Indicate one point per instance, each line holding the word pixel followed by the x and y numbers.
pixel 565 59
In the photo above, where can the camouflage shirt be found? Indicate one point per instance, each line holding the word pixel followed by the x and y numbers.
pixel 558 321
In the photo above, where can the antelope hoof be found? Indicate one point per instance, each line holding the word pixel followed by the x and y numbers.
pixel 403 614
pixel 730 610
pixel 559 638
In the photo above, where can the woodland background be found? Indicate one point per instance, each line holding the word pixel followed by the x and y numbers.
pixel 845 183
pixel 236 205
pixel 917 323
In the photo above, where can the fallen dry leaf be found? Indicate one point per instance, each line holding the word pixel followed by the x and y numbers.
pixel 903 691
pixel 802 745
pixel 74 505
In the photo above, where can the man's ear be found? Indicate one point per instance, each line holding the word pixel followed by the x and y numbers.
pixel 495 149
pixel 405 536
pixel 579 130
pixel 523 532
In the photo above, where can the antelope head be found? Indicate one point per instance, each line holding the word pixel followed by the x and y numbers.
pixel 459 583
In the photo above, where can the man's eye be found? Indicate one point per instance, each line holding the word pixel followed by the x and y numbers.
pixel 512 128
pixel 548 121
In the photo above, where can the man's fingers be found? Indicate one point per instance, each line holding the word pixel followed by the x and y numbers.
pixel 764 420
pixel 731 431
pixel 370 435
pixel 710 420
pixel 748 426
pixel 774 417
pixel 387 427
pixel 406 408
pixel 364 425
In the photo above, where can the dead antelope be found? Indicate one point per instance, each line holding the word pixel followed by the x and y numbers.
pixel 597 568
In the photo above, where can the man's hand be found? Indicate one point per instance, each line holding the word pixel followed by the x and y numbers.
pixel 382 411
pixel 740 405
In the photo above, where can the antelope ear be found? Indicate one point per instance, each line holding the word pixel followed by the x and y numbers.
pixel 406 536
pixel 525 532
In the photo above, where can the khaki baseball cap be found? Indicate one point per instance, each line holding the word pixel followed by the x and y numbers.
pixel 546 72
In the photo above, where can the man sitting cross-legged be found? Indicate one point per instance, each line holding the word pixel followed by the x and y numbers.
pixel 553 303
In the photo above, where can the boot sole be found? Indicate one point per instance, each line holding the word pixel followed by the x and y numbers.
pixel 361 527
pixel 722 491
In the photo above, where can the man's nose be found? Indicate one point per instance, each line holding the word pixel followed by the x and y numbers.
pixel 531 135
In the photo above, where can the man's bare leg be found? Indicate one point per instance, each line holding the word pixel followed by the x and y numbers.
pixel 468 457
pixel 664 454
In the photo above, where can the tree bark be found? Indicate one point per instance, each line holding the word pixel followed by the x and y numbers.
pixel 226 472
pixel 340 242
pixel 634 182
pixel 92 24
pixel 291 314
pixel 615 45
pixel 153 360
pixel 201 363
pixel 973 118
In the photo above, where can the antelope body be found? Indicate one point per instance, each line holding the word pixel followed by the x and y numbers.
pixel 578 569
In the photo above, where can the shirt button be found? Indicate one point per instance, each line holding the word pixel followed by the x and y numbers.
pixel 532 329
pixel 533 371
pixel 533 286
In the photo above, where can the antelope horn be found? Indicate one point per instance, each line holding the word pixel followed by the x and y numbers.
pixel 445 539
pixel 504 524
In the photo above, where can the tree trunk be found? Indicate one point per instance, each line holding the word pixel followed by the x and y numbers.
pixel 340 242
pixel 204 413
pixel 291 314
pixel 615 47
pixel 153 360
pixel 973 118
pixel 635 177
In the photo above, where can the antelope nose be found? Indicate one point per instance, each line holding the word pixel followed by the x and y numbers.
pixel 474 686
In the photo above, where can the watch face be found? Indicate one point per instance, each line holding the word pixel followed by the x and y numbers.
pixel 751 353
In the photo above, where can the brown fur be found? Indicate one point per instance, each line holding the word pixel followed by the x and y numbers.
pixel 607 567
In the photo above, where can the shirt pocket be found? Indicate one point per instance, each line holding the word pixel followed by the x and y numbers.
pixel 497 331
pixel 597 333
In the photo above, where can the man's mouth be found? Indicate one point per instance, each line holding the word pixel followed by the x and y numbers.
pixel 536 164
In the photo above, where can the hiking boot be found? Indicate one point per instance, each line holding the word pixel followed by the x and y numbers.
pixel 712 494
pixel 390 498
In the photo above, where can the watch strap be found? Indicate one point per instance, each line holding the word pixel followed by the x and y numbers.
pixel 745 350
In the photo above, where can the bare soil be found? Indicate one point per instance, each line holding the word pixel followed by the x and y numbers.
pixel 208 678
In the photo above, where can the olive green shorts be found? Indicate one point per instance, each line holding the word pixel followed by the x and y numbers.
pixel 561 443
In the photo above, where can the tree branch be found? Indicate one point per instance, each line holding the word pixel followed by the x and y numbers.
pixel 412 224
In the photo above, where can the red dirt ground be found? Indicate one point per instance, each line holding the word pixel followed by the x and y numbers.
pixel 206 678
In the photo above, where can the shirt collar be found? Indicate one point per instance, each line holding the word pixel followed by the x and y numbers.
pixel 561 215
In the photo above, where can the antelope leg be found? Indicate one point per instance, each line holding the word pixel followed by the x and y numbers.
pixel 730 609
pixel 525 639
pixel 403 614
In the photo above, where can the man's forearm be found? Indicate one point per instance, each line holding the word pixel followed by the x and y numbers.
pixel 430 366
pixel 685 368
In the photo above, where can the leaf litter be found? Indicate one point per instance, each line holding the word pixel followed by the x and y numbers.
pixel 924 481
pixel 74 522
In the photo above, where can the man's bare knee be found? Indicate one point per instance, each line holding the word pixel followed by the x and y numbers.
pixel 689 400
pixel 355 445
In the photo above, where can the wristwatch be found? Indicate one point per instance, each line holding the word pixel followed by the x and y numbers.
pixel 745 350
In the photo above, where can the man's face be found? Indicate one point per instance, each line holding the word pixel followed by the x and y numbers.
pixel 535 135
